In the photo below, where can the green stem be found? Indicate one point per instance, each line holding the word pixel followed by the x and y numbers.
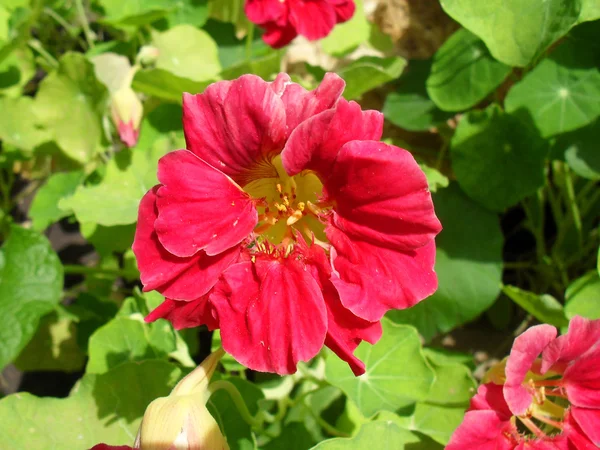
pixel 84 23
pixel 574 209
pixel 50 12
pixel 536 226
pixel 37 46
pixel 240 404
pixel 324 424
pixel 442 155
pixel 249 40
pixel 85 270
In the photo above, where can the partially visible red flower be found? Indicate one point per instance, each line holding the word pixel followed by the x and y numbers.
pixel 283 20
pixel 559 391
pixel 286 223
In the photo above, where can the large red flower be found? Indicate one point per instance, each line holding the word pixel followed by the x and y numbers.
pixel 286 223
pixel 283 20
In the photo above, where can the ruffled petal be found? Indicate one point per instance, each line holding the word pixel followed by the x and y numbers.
pixel 525 350
pixel 301 104
pixel 583 336
pixel 345 331
pixel 174 277
pixel 272 314
pixel 490 397
pixel 315 143
pixel 263 11
pixel 588 421
pixel 236 126
pixel 582 379
pixel 200 208
pixel 313 20
pixel 381 195
pixel 183 314
pixel 372 280
pixel 482 430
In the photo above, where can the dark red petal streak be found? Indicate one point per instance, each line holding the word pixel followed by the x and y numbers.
pixel 372 280
pixel 272 314
pixel 316 142
pixel 199 207
pixel 184 314
pixel 174 277
pixel 380 195
pixel 526 348
pixel 236 126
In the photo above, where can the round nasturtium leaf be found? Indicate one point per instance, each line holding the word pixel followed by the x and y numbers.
pixel 497 158
pixel 397 374
pixel 380 435
pixel 187 52
pixel 515 31
pixel 583 296
pixel 31 281
pixel 468 265
pixel 581 150
pixel 562 93
pixel 463 72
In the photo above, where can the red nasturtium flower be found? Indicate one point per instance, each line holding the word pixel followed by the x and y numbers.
pixel 559 392
pixel 283 20
pixel 286 223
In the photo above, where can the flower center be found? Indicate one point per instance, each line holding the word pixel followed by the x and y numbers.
pixel 286 203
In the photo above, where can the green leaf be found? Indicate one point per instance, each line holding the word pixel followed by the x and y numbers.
pixel 114 201
pixel 165 85
pixel 107 240
pixel 348 35
pixel 125 339
pixel 70 103
pixel 187 52
pixel 463 72
pixel 31 281
pixel 265 67
pixel 44 209
pixel 580 150
pixel 15 71
pixel 583 296
pixel 397 374
pixel 101 408
pixel 239 434
pixel 135 12
pixel 231 11
pixel 544 307
pixel 437 422
pixel 491 147
pixel 410 107
pixel 19 126
pixel 515 31
pixel 435 179
pixel 380 435
pixel 453 386
pixel 54 346
pixel 562 93
pixel 590 10
pixel 191 12
pixel 468 265
pixel 294 436
pixel 369 72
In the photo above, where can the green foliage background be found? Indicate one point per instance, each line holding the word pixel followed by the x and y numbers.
pixel 504 117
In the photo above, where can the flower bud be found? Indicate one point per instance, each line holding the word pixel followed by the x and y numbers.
pixel 181 420
pixel 126 111
pixel 147 55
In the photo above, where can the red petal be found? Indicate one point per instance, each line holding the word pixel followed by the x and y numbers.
pixel 313 20
pixel 186 314
pixel 278 36
pixel 526 348
pixel 301 104
pixel 490 397
pixel 199 208
pixel 381 195
pixel 568 347
pixel 110 447
pixel 372 280
pixel 174 277
pixel 589 422
pixel 315 143
pixel 344 10
pixel 582 379
pixel 272 314
pixel 482 430
pixel 345 331
pixel 236 126
pixel 263 11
